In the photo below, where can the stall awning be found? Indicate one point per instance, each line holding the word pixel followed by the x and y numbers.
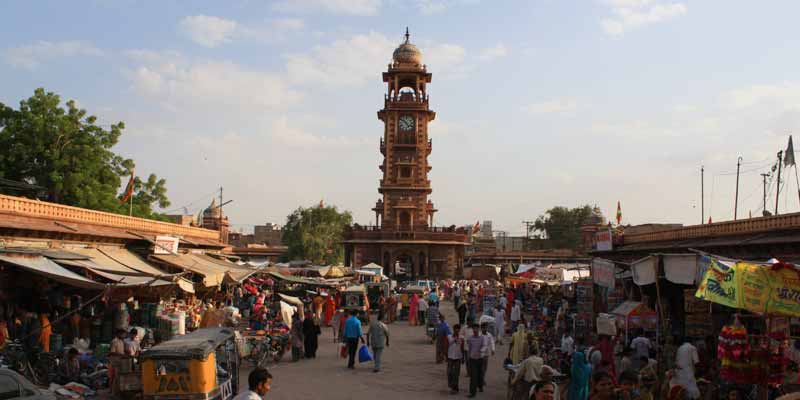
pixel 97 260
pixel 233 273
pixel 295 279
pixel 132 261
pixel 212 275
pixel 42 266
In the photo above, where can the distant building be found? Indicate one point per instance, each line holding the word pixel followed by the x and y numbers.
pixel 185 220
pixel 268 234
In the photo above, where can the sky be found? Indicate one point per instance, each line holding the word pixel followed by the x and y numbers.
pixel 539 102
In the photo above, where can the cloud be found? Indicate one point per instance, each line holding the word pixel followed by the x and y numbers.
pixel 340 7
pixel 211 31
pixel 285 134
pixel 32 55
pixel 177 83
pixel 632 14
pixel 447 60
pixel 497 51
pixel 781 95
pixel 208 31
pixel 346 62
pixel 565 106
pixel 430 7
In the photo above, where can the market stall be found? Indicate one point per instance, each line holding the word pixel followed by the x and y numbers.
pixel 634 314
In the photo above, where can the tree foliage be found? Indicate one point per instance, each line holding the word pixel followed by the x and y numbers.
pixel 65 151
pixel 315 234
pixel 562 224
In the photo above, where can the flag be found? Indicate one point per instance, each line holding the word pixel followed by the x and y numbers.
pixel 709 220
pixel 476 228
pixel 321 204
pixel 788 158
pixel 128 189
pixel 619 213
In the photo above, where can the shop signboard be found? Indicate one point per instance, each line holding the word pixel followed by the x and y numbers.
pixel 584 296
pixel 165 245
pixel 763 289
pixel 603 273
pixel 549 274
pixel 604 240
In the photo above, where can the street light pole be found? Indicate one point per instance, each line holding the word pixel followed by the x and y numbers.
pixel 736 202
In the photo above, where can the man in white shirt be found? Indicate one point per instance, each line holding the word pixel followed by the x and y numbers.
pixel 567 344
pixel 489 351
pixel 499 323
pixel 259 382
pixel 685 358
pixel 422 310
pixel 516 315
pixel 455 356
pixel 641 345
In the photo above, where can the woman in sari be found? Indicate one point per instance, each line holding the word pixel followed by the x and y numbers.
pixel 580 374
pixel 413 302
pixel 46 331
pixel 519 345
pixel 330 308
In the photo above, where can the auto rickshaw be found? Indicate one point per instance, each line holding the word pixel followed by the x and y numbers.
pixel 354 298
pixel 405 297
pixel 203 364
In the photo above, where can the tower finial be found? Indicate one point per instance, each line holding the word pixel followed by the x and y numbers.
pixel 407 35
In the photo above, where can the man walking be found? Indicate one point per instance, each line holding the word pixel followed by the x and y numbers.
pixel 476 347
pixel 352 335
pixel 259 382
pixel 455 356
pixel 377 336
pixel 489 351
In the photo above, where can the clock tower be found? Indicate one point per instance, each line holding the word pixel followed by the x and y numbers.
pixel 403 239
pixel 405 144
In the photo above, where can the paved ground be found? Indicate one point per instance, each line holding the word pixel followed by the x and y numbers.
pixel 409 372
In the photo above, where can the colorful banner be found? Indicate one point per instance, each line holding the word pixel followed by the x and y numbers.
pixel 762 289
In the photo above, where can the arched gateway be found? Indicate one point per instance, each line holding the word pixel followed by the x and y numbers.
pixel 403 234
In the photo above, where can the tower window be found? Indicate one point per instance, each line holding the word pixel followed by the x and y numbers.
pixel 405 172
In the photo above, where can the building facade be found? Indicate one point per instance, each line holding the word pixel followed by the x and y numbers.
pixel 404 240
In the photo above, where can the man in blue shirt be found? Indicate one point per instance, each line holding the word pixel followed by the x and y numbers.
pixel 352 335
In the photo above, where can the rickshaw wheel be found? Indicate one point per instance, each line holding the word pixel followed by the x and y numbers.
pixel 278 356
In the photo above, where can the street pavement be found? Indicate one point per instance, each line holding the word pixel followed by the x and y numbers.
pixel 409 371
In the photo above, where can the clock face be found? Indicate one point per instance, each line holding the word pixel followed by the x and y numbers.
pixel 406 123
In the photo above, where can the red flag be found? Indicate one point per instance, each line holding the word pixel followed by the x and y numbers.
pixel 709 220
pixel 128 189
pixel 476 228
pixel 619 213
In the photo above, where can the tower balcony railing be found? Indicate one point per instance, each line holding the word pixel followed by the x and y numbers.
pixel 409 182
pixel 432 233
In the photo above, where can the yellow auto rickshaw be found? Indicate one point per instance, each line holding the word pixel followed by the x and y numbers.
pixel 203 364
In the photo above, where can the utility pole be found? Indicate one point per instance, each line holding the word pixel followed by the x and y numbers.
pixel 528 225
pixel 778 190
pixel 764 179
pixel 736 202
pixel 221 238
pixel 702 197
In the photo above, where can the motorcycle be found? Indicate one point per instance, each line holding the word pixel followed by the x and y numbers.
pixel 270 349
pixel 39 367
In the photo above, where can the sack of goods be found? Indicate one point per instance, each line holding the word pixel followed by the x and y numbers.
pixel 606 324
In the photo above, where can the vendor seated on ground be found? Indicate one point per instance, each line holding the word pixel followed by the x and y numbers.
pixel 71 368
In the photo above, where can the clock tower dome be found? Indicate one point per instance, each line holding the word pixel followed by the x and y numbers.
pixel 403 239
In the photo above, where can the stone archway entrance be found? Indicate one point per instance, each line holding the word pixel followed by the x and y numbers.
pixel 404 267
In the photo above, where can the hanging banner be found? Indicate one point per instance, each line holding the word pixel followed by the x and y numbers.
pixel 762 289
pixel 719 284
pixel 603 273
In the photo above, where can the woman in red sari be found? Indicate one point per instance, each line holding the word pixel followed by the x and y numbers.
pixel 330 308
pixel 413 302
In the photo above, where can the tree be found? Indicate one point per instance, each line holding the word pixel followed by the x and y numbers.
pixel 562 225
pixel 67 153
pixel 316 234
